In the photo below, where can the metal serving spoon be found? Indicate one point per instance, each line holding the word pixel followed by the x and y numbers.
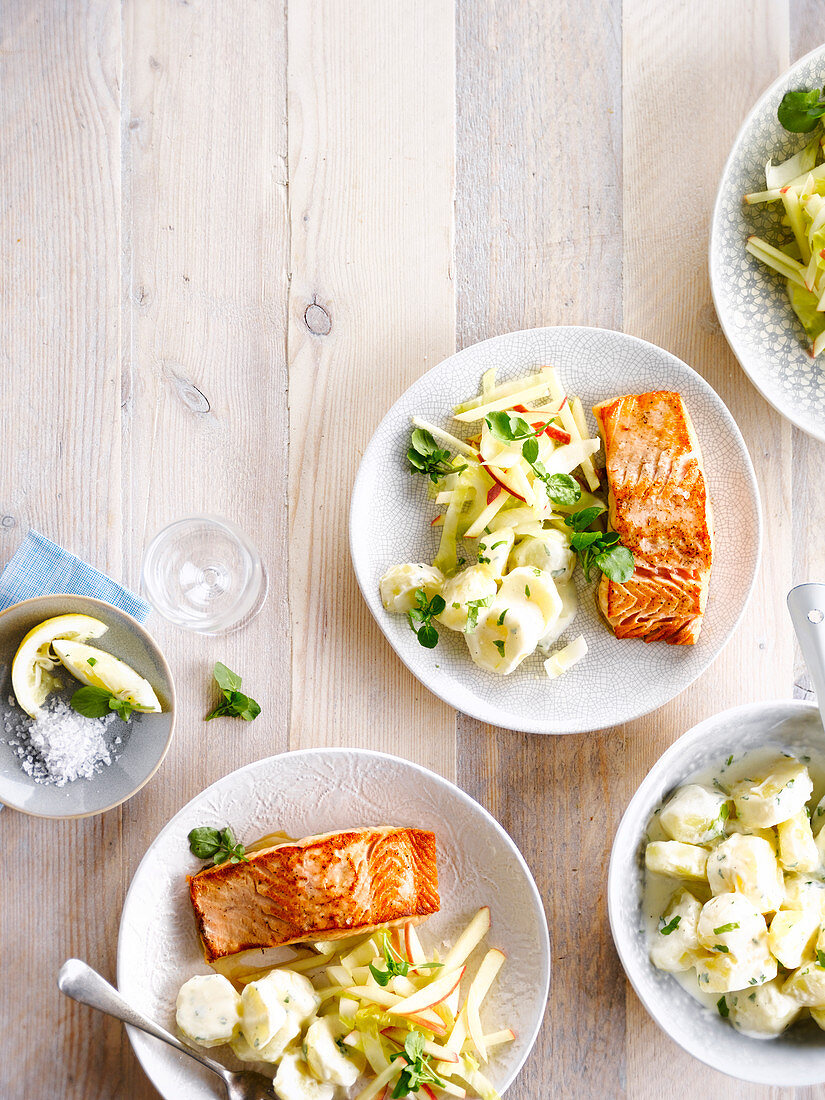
pixel 81 983
pixel 806 604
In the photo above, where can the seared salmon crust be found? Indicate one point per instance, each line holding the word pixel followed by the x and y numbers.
pixel 322 887
pixel 660 508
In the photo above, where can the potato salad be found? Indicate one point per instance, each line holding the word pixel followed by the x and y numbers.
pixel 735 891
pixel 511 518
pixel 372 1017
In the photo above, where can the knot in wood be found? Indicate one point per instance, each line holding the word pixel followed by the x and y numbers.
pixel 8 521
pixel 317 320
pixel 192 397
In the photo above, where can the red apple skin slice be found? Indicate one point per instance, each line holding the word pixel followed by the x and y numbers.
pixel 504 486
pixel 432 1004
pixel 493 492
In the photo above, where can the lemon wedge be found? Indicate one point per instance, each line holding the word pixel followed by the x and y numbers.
pixel 31 669
pixel 100 669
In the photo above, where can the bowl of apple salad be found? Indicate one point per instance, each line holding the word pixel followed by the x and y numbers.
pixel 370 1017
pixel 734 893
pixel 512 519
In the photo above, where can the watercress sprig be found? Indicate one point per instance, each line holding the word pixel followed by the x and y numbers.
pixel 418 1070
pixel 94 702
pixel 234 703
pixel 561 488
pixel 426 457
pixel 421 618
pixel 600 548
pixel 219 845
pixel 800 112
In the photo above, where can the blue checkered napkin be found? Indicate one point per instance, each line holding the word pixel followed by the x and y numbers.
pixel 42 568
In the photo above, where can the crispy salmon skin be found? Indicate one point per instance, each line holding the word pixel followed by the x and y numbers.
pixel 659 506
pixel 326 887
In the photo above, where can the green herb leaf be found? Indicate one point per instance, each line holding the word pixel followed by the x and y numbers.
pixel 509 427
pixel 616 563
pixel 722 1005
pixel 219 845
pixel 725 928
pixel 499 644
pixel 420 618
pixel 91 702
pixel 95 702
pixel 473 608
pixel 426 457
pixel 563 489
pixel 394 963
pixel 820 959
pixel 721 947
pixel 91 661
pixel 234 703
pixel 671 926
pixel 583 518
pixel 800 111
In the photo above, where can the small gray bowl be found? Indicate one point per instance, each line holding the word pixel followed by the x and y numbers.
pixel 146 737
pixel 796 1058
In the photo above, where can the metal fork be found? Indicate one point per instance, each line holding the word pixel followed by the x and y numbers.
pixel 81 983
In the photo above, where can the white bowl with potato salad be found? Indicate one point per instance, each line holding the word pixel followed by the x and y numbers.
pixel 519 641
pixel 716 888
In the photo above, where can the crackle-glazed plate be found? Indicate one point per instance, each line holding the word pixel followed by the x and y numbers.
pixel 317 791
pixel 618 680
pixel 751 300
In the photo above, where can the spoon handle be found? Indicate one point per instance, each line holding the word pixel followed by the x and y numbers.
pixel 806 604
pixel 81 983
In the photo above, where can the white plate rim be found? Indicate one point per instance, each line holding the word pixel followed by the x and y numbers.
pixel 138 1039
pixel 771 90
pixel 661 768
pixel 500 718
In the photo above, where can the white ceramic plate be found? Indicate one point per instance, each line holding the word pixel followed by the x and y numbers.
pixel 794 1059
pixel 618 680
pixel 316 791
pixel 750 300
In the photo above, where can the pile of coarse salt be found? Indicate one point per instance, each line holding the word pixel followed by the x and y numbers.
pixel 60 745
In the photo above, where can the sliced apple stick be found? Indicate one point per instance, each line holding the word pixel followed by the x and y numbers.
pixel 490 512
pixel 456 1039
pixel 506 389
pixel 444 437
pixel 479 987
pixel 432 994
pixel 569 422
pixel 376 1086
pixel 762 196
pixel 412 944
pixel 517 397
pixel 488 382
pixel 470 938
pixel 447 556
pixel 790 200
pixel 433 1050
pixel 374 994
pixel 497 1038
pixel 779 261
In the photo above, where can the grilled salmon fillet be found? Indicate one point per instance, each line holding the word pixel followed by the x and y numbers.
pixel 660 508
pixel 326 887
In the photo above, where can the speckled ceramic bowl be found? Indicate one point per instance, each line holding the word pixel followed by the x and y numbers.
pixel 146 737
pixel 751 300
pixel 796 1058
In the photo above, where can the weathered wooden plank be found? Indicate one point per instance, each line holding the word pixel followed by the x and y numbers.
pixel 371 307
pixel 59 402
pixel 204 401
pixel 539 243
pixel 675 145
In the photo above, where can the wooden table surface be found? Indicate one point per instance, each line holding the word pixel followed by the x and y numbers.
pixel 233 232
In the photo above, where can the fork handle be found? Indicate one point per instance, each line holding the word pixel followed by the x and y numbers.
pixel 78 981
pixel 806 604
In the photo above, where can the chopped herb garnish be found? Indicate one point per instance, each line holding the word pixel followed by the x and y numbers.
pixel 499 644
pixel 502 616
pixel 722 1005
pixel 501 542
pixel 473 608
pixel 729 761
pixel 725 928
pixel 721 947
pixel 91 661
pixel 527 591
pixel 666 928
pixel 820 959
